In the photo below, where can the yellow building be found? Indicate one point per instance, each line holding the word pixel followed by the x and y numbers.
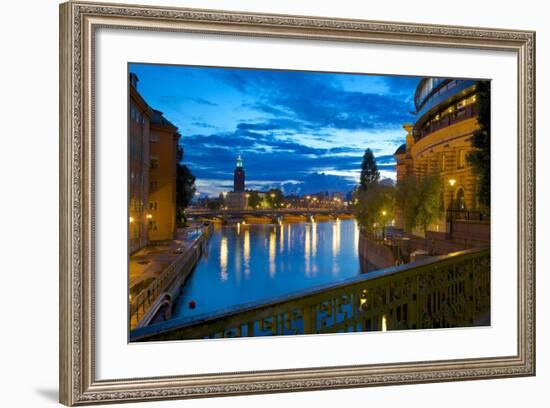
pixel 162 178
pixel 439 142
pixel 153 142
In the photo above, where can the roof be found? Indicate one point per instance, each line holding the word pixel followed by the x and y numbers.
pixel 159 119
pixel 401 149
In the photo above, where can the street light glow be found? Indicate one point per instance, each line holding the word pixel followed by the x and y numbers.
pixel 452 182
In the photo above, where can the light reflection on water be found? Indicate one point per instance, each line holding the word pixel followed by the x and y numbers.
pixel 249 263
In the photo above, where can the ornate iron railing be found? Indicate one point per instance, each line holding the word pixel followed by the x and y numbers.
pixel 445 291
pixel 469 215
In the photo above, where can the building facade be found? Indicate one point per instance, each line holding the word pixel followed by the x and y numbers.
pixel 439 143
pixel 237 199
pixel 152 173
pixel 138 157
pixel 163 144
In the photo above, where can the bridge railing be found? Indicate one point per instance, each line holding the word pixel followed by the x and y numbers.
pixel 445 291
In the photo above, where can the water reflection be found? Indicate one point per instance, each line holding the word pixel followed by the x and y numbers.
pixel 257 262
pixel 336 237
pixel 223 259
pixel 272 250
pixel 313 238
pixel 307 250
pixel 246 251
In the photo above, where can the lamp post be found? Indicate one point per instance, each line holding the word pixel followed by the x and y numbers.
pixel 452 182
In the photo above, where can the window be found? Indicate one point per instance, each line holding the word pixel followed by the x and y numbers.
pixel 154 162
pixel 152 225
pixel 460 200
pixel 153 186
pixel 461 159
pixel 448 111
pixel 153 205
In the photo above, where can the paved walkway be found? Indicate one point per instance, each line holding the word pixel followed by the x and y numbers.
pixel 147 263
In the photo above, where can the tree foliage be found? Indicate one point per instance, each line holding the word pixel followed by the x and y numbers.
pixel 369 171
pixel 480 158
pixel 185 185
pixel 420 201
pixel 375 206
pixel 274 197
pixel 254 199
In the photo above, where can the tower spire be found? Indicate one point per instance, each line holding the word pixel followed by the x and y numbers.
pixel 238 175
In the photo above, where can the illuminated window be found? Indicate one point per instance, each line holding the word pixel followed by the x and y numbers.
pixel 448 111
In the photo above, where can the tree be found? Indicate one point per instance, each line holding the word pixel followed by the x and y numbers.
pixel 369 171
pixel 375 206
pixel 185 186
pixel 254 199
pixel 420 201
pixel 274 197
pixel 480 158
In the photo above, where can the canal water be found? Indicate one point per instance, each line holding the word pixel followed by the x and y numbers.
pixel 255 262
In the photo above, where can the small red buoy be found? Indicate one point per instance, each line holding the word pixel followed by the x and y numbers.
pixel 192 304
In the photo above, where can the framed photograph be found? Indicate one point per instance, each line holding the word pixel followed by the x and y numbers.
pixel 256 203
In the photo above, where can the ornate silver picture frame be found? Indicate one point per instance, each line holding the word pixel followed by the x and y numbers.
pixel 79 22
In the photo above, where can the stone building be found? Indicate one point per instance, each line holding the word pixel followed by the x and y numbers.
pixel 152 151
pixel 439 142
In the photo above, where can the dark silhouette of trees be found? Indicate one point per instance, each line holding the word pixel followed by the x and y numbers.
pixel 369 171
pixel 480 159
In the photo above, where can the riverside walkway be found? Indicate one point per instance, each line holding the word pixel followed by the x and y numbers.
pixel 149 266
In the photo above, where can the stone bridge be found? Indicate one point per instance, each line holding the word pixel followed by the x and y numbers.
pixel 270 212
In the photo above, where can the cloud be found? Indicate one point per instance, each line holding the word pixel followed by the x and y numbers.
pixel 202 101
pixel 303 129
pixel 319 182
pixel 204 125
pixel 318 101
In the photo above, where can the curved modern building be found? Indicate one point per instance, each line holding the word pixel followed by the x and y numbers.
pixel 440 139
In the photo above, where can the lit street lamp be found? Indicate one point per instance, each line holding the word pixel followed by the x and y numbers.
pixel 452 183
pixel 384 225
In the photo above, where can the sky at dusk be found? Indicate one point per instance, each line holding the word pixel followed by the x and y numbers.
pixel 304 132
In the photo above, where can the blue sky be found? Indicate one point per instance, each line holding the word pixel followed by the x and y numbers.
pixel 301 131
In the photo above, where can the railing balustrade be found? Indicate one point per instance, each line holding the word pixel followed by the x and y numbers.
pixel 445 291
pixel 468 112
pixel 468 215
